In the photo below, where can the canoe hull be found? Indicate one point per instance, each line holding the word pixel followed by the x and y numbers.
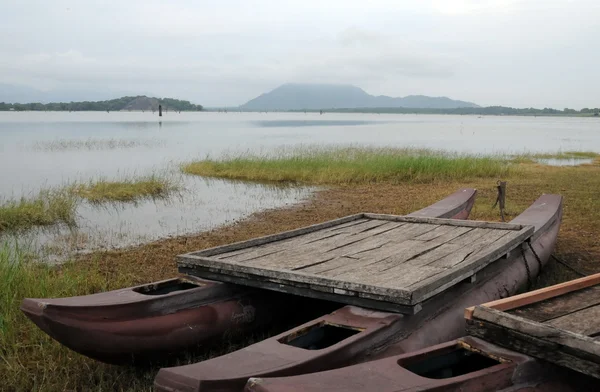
pixel 124 325
pixel 467 365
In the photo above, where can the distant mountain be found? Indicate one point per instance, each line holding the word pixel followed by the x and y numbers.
pixel 329 96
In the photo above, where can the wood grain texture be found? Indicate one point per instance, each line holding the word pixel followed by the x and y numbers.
pixel 520 300
pixel 581 344
pixel 394 259
pixel 535 347
pixel 584 321
pixel 559 306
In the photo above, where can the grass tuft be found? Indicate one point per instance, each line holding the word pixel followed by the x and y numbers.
pixel 48 207
pixel 153 186
pixel 350 166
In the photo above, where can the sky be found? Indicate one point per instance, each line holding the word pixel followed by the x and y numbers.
pixel 527 53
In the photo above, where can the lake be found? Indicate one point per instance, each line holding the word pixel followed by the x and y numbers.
pixel 45 149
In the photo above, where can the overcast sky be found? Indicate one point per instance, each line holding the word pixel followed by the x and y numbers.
pixel 225 52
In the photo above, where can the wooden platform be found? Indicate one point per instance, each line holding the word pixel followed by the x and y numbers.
pixel 560 324
pixel 386 262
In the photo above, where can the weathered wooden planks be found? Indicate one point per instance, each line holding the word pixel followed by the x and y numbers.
pixel 364 257
pixel 559 324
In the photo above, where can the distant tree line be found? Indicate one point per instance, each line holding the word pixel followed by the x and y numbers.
pixel 490 110
pixel 110 105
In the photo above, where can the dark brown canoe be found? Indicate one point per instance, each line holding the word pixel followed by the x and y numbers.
pixel 467 365
pixel 127 324
pixel 352 334
pixel 118 326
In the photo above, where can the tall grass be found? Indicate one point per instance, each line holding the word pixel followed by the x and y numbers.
pixel 48 207
pixel 350 165
pixel 155 186
pixel 29 359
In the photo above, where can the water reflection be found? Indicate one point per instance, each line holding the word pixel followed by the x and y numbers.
pixel 564 161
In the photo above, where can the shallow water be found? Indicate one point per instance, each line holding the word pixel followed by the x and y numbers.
pixel 43 149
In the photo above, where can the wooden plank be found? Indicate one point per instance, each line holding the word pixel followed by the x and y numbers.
pixel 581 344
pixel 532 346
pixel 445 221
pixel 471 237
pixel 428 251
pixel 205 265
pixel 474 247
pixel 319 250
pixel 371 273
pixel 338 231
pixel 311 292
pixel 517 301
pixel 585 321
pixel 437 283
pixel 275 237
pixel 434 255
pixel 439 231
pixel 400 247
pixel 276 246
pixel 555 307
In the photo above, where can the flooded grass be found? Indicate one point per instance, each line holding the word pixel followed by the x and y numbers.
pixel 61 145
pixel 48 207
pixel 153 186
pixel 350 166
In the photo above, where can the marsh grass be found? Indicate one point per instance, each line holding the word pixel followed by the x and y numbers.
pixel 153 186
pixel 48 207
pixel 350 165
pixel 91 144
pixel 29 359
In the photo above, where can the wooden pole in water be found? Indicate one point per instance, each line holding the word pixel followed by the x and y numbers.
pixel 159 110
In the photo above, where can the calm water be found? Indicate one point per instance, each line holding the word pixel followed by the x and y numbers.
pixel 31 157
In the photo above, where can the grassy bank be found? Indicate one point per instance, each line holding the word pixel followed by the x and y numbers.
pixel 350 166
pixel 48 207
pixel 154 186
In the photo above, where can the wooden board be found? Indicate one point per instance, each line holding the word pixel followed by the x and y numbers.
pixel 363 259
pixel 560 324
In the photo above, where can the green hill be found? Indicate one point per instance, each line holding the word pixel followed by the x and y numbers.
pixel 124 103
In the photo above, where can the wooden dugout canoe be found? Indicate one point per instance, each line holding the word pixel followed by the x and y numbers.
pixel 352 334
pixel 467 364
pixel 166 316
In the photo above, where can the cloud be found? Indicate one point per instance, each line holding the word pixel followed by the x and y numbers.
pixel 226 52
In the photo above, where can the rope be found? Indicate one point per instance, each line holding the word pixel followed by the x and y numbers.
pixel 536 257
pixel 568 266
pixel 526 269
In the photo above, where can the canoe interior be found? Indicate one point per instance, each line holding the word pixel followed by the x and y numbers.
pixel 387 262
pixel 167 287
pixel 560 324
